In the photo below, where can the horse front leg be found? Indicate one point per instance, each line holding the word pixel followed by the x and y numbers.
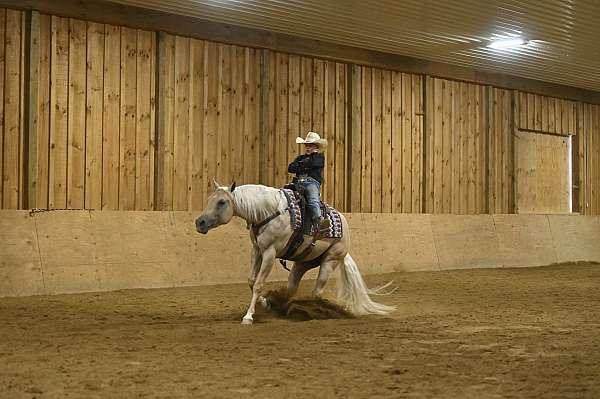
pixel 255 262
pixel 268 256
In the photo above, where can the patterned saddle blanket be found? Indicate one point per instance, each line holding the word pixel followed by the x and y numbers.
pixel 300 221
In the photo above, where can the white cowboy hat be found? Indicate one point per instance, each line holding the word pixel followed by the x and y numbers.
pixel 312 138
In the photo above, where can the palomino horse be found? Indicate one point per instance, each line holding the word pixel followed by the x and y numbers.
pixel 256 204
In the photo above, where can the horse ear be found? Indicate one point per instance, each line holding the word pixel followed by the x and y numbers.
pixel 232 187
pixel 216 185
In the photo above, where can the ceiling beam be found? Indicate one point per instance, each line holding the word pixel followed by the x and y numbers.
pixel 142 18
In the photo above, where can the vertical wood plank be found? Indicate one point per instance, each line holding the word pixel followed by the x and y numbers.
pixel 417 146
pixel 478 148
pixel 495 119
pixel 552 115
pixel 58 113
pixel 153 120
pixel 397 134
pixel 240 139
pixel 386 142
pixel 306 96
pixel 76 114
pixel 572 119
pixel 2 95
pixel 211 84
pixel 127 150
pixel 271 91
pixel 196 126
pixel 366 169
pixel 511 132
pixel 356 132
pixel 12 111
pixel 253 163
pixel 293 128
pixel 545 114
pixel 376 141
pixel 111 117
pixel 438 146
pixel 456 135
pixel 406 146
pixel 429 145
pixel 31 45
pixel 503 153
pixel 318 96
pixel 522 110
pixel 595 160
pixel 42 109
pixel 163 188
pixel 328 191
pixel 144 95
pixel 224 111
pixel 446 171
pixel 538 112
pixel 181 142
pixel 464 153
pixel 281 120
pixel 94 120
pixel 340 136
pixel 472 148
pixel 530 111
pixel 483 148
pixel 588 159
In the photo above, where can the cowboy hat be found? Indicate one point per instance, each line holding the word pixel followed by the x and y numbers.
pixel 312 138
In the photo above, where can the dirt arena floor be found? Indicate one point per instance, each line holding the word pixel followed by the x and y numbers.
pixel 496 333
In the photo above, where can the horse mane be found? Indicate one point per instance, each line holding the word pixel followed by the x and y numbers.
pixel 255 202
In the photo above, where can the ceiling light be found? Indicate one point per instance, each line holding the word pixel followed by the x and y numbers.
pixel 507 43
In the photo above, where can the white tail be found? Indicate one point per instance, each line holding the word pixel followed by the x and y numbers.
pixel 354 293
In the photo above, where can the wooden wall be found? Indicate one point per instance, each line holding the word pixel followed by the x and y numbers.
pixel 12 69
pixel 93 116
pixel 455 147
pixel 386 173
pixel 588 159
pixel 547 114
pixel 209 119
pixel 306 94
pixel 500 151
pixel 97 116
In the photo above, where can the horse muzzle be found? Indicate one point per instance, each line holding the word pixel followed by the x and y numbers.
pixel 202 225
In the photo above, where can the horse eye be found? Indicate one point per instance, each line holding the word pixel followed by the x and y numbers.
pixel 221 202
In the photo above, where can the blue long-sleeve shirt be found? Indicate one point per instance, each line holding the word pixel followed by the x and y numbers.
pixel 311 165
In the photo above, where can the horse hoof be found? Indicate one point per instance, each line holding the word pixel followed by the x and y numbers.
pixel 266 304
pixel 247 322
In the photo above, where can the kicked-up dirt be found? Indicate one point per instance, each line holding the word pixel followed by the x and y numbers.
pixel 495 333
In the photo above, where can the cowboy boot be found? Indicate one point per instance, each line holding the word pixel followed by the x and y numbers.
pixel 320 223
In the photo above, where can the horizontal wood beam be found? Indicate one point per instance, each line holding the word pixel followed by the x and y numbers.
pixel 142 18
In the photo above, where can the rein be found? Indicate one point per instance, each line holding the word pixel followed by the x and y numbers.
pixel 257 226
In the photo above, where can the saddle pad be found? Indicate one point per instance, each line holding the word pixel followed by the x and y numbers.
pixel 296 217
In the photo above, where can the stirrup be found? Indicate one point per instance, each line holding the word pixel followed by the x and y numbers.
pixel 321 224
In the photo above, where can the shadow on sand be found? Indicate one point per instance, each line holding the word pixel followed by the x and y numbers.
pixel 303 309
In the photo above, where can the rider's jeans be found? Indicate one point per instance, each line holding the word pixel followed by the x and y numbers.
pixel 312 189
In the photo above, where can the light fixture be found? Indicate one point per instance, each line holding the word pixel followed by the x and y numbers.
pixel 512 42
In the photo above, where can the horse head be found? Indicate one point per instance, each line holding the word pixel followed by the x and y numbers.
pixel 219 209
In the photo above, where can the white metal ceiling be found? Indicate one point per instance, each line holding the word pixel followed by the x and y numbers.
pixel 564 35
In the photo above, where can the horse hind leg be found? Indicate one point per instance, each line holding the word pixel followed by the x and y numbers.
pixel 296 274
pixel 327 266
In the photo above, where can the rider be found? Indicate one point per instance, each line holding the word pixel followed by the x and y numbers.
pixel 308 168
